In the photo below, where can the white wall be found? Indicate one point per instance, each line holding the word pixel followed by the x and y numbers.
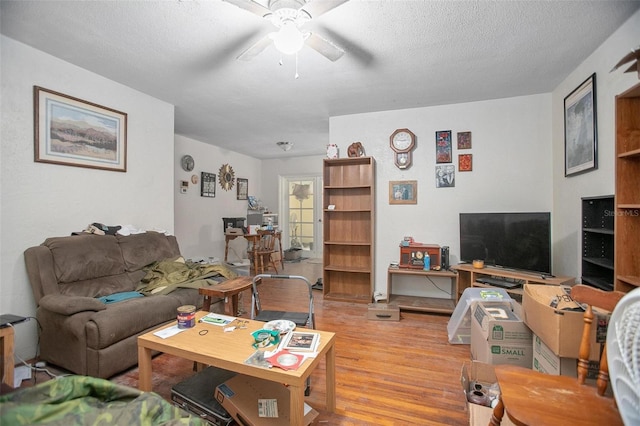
pixel 511 147
pixel 199 226
pixel 568 191
pixel 43 200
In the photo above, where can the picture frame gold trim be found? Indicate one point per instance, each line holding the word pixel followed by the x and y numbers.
pixel 403 192
pixel 73 132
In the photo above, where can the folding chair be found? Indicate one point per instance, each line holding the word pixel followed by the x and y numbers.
pixel 302 319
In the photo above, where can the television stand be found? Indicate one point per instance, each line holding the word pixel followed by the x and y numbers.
pixel 423 304
pixel 468 276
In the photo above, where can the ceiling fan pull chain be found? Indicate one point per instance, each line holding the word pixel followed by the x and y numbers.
pixel 296 76
pixel 280 61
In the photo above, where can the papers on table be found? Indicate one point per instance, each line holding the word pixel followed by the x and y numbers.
pixel 168 332
pixel 217 319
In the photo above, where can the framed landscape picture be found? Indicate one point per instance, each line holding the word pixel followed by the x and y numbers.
pixel 403 192
pixel 74 132
pixel 580 131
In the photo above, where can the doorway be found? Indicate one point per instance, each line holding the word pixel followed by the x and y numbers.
pixel 301 200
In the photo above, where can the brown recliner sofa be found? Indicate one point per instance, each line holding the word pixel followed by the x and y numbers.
pixel 68 275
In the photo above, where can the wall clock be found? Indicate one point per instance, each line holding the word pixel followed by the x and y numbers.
pixel 187 163
pixel 402 142
pixel 226 177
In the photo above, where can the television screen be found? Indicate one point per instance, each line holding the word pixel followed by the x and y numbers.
pixel 508 240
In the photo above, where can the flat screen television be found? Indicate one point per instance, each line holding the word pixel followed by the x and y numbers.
pixel 519 241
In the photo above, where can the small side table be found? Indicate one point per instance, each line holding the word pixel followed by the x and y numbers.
pixel 7 342
pixel 229 288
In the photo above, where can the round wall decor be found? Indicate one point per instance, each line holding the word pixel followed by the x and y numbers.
pixel 226 177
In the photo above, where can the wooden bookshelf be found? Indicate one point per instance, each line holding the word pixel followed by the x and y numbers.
pixel 348 228
pixel 627 197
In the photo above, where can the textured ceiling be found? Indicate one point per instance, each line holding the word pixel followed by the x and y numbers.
pixel 399 54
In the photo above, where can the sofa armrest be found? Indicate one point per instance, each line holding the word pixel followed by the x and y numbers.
pixel 69 305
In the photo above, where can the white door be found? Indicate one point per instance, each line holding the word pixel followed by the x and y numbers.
pixel 301 199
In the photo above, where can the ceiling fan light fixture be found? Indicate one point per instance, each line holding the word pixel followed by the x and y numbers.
pixel 285 145
pixel 288 40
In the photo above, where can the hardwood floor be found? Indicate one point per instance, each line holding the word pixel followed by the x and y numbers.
pixel 388 373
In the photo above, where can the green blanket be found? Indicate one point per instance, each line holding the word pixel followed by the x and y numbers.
pixel 165 276
pixel 82 400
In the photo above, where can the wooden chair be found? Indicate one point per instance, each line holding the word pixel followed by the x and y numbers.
pixel 533 398
pixel 262 252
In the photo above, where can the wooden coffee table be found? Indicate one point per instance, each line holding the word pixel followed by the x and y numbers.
pixel 230 350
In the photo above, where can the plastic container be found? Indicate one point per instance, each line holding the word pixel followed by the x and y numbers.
pixel 459 326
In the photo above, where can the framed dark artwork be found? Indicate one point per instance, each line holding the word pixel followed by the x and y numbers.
pixel 243 188
pixel 464 140
pixel 445 176
pixel 403 192
pixel 443 146
pixel 465 162
pixel 207 184
pixel 75 132
pixel 580 129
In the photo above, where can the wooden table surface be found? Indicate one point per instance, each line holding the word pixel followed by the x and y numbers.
pixel 230 350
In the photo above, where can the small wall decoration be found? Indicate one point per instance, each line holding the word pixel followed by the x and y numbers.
pixel 445 176
pixel 465 162
pixel 403 192
pixel 184 185
pixel 243 189
pixel 207 185
pixel 580 133
pixel 443 146
pixel 226 177
pixel 74 132
pixel 464 140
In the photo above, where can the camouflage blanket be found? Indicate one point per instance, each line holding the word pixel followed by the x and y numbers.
pixel 165 276
pixel 82 400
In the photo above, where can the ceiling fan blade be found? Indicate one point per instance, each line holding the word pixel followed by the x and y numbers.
pixel 255 49
pixel 324 47
pixel 251 6
pixel 316 8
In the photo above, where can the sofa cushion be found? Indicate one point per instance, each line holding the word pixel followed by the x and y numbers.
pixel 140 250
pixel 84 257
pixel 130 317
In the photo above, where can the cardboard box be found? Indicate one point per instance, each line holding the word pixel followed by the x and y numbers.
pixel 478 372
pixel 499 336
pixel 242 396
pixel 383 312
pixel 545 361
pixel 560 330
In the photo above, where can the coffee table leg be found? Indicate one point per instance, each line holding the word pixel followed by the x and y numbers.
pixel 330 361
pixel 144 369
pixel 296 415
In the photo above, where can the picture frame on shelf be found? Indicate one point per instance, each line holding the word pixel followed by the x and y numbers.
pixel 403 192
pixel 207 184
pixel 464 140
pixel 243 188
pixel 443 146
pixel 580 129
pixel 73 132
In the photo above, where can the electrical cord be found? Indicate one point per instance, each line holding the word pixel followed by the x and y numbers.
pixel 31 367
pixel 436 286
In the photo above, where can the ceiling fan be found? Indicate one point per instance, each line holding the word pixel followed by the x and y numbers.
pixel 289 16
